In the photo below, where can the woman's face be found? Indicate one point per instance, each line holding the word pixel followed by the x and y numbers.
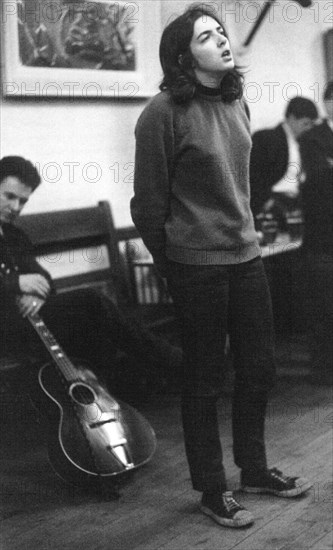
pixel 211 52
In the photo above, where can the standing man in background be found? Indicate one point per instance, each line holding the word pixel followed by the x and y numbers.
pixel 316 148
pixel 275 159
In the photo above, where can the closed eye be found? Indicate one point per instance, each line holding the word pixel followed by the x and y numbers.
pixel 206 34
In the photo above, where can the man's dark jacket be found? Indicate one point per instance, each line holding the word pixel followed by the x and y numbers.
pixel 316 148
pixel 268 164
pixel 16 258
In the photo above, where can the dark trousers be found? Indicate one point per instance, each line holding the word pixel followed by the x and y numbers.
pixel 211 302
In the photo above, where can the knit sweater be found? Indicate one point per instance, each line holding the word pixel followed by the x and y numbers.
pixel 191 199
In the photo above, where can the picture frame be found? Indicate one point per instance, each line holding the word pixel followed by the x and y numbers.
pixel 80 48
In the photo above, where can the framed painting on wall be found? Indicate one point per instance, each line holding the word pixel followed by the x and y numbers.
pixel 80 48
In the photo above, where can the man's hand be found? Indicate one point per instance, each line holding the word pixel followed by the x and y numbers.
pixel 29 304
pixel 34 283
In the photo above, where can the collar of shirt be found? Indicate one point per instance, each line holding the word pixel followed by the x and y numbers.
pixel 290 136
pixel 289 184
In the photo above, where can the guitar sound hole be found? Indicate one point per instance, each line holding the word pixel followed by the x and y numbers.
pixel 82 394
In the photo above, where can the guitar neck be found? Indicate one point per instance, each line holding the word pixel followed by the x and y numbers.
pixel 54 349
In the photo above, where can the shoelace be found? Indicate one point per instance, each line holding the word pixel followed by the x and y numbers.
pixel 280 476
pixel 230 502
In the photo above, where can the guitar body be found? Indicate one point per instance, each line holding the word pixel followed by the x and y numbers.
pixel 93 436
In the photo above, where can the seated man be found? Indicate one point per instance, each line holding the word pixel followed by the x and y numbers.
pixel 86 324
pixel 275 164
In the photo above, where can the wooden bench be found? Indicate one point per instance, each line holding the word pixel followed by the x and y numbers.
pixel 80 248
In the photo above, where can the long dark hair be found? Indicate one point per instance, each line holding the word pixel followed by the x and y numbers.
pixel 177 60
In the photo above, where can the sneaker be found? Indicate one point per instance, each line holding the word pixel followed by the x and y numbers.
pixel 225 510
pixel 276 483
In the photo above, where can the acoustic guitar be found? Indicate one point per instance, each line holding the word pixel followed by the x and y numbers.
pixel 95 436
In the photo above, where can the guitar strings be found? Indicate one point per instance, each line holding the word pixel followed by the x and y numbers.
pixel 66 365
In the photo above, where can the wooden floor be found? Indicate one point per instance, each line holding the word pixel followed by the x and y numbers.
pixel 157 508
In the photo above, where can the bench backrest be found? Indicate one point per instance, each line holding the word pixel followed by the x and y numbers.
pixel 78 237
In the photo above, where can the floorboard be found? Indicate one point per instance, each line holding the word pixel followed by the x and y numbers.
pixel 157 508
pixel 324 543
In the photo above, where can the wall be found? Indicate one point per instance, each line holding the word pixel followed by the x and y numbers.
pixel 85 148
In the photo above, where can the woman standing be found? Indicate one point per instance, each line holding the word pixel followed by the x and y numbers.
pixel 192 209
